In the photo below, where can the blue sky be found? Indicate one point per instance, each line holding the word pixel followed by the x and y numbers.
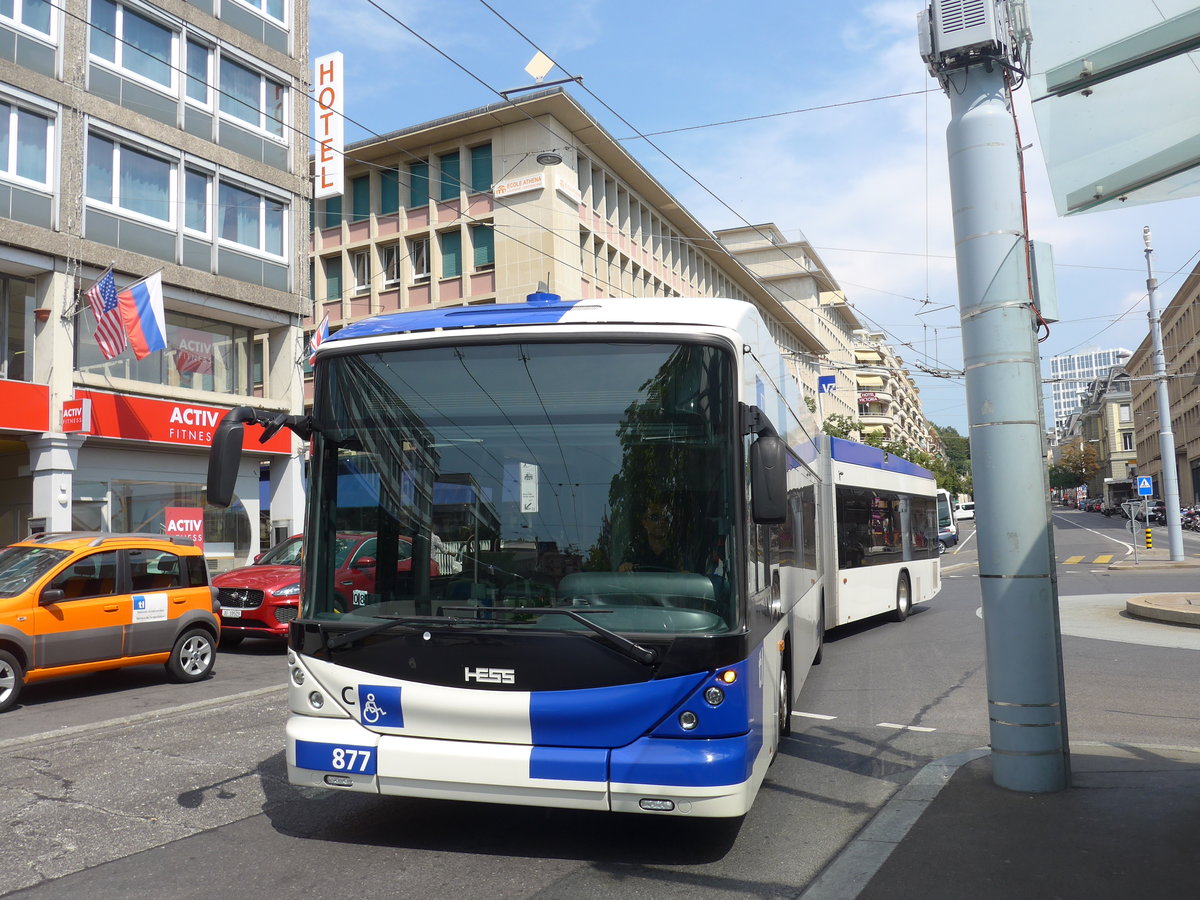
pixel 865 182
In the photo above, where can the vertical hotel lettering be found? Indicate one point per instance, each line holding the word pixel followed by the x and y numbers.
pixel 327 76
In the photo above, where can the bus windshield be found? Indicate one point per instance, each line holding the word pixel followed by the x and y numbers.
pixel 597 476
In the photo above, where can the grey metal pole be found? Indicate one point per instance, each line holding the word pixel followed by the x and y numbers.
pixel 1026 704
pixel 1166 437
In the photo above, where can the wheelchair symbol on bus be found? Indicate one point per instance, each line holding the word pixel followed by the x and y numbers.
pixel 372 712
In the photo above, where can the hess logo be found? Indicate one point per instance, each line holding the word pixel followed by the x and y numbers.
pixel 483 675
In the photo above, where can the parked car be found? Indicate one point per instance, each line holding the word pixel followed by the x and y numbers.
pixel 947 537
pixel 81 602
pixel 1158 512
pixel 965 510
pixel 261 599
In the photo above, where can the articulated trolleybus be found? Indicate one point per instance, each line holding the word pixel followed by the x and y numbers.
pixel 621 497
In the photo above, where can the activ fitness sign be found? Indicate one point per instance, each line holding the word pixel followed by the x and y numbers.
pixel 167 422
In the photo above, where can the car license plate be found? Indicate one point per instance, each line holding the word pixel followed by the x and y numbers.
pixel 230 612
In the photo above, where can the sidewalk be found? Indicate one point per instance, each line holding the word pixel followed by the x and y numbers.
pixel 1128 827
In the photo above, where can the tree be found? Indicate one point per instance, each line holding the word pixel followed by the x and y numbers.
pixel 1080 461
pixel 840 426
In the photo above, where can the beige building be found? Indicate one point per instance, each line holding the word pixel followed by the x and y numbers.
pixel 889 401
pixel 163 137
pixel 794 273
pixel 1104 421
pixel 1181 343
pixel 485 205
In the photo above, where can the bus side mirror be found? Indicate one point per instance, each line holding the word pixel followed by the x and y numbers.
pixel 225 457
pixel 768 480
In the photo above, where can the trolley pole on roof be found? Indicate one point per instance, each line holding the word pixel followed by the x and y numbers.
pixel 1026 704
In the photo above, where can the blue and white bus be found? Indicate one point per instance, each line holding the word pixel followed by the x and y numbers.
pixel 882 513
pixel 632 489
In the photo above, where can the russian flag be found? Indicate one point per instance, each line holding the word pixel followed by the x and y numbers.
pixel 141 306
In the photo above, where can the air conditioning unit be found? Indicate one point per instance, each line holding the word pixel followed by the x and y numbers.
pixel 958 33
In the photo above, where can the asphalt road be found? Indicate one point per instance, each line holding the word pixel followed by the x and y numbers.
pixel 133 786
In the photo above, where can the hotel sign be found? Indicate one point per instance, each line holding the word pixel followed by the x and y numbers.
pixel 329 126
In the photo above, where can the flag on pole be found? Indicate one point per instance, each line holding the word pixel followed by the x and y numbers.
pixel 110 331
pixel 142 313
pixel 318 339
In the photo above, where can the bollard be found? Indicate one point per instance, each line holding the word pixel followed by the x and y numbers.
pixel 1149 540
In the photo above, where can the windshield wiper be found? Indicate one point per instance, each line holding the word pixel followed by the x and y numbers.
pixel 347 638
pixel 645 655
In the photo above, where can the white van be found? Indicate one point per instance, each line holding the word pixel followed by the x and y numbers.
pixel 965 510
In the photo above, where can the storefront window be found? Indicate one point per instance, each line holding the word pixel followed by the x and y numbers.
pixel 16 328
pixel 140 506
pixel 201 354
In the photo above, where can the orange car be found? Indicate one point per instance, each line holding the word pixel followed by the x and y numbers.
pixel 80 602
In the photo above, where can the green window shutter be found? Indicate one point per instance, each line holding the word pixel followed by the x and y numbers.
pixel 483 240
pixel 418 184
pixel 360 198
pixel 481 168
pixel 389 192
pixel 451 170
pixel 333 212
pixel 451 254
pixel 333 278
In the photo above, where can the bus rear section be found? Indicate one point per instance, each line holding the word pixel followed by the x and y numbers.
pixel 883 558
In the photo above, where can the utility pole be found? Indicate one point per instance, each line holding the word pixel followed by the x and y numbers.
pixel 1026 704
pixel 1166 437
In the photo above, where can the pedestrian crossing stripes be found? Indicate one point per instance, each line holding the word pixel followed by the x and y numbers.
pixel 1102 560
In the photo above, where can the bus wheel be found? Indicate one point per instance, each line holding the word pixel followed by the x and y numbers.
pixel 785 703
pixel 820 654
pixel 903 598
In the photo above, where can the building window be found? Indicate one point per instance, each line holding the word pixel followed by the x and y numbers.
pixel 197 196
pixel 333 277
pixel 333 212
pixel 1126 440
pixel 360 198
pixel 451 242
pixel 391 264
pixel 389 192
pixel 250 219
pixel 25 142
pixel 483 242
pixel 35 15
pixel 361 259
pixel 450 171
pixel 418 184
pixel 481 168
pixel 1124 414
pixel 201 354
pixel 252 98
pixel 133 43
pixel 17 300
pixel 199 72
pixel 128 179
pixel 418 252
pixel 272 8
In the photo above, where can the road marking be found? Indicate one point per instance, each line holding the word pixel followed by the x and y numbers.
pixel 1107 537
pixel 814 716
pixel 904 727
pixel 1103 559
pixel 1071 560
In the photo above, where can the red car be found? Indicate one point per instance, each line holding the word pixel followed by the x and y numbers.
pixel 260 600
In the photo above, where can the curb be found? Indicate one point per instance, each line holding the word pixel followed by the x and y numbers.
pixel 1175 609
pixel 858 861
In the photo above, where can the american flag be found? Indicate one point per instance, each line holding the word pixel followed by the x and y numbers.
pixel 110 332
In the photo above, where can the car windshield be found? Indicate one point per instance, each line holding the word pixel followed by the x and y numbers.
pixel 531 475
pixel 20 567
pixel 287 553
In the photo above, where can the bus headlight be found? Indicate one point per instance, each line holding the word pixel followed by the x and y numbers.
pixel 714 696
pixel 316 699
pixel 298 675
pixel 688 720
